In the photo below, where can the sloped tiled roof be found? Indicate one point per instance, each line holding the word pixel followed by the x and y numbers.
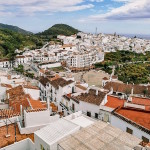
pixel 8 113
pixel 17 97
pixel 123 88
pixel 60 82
pixel 44 80
pixel 139 117
pixel 114 102
pixel 91 97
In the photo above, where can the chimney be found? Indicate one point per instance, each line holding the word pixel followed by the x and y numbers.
pixel 132 91
pixel 96 92
pixel 8 96
pixel 111 89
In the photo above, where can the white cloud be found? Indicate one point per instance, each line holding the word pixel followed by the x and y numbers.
pixel 131 10
pixel 50 6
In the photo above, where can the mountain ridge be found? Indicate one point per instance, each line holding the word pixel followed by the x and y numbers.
pixel 14 28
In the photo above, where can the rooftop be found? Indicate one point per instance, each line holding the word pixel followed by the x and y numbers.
pixel 36 104
pixel 81 87
pixel 44 80
pixel 100 136
pixel 56 130
pixel 17 97
pixel 139 117
pixel 8 113
pixel 91 97
pixel 60 82
pixel 126 88
pixel 114 102
pixel 10 140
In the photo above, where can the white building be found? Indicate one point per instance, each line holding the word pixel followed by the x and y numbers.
pixel 48 137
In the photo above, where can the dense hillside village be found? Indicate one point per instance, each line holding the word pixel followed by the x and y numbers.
pixel 73 90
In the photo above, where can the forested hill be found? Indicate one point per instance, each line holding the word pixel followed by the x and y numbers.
pixel 58 29
pixel 12 37
pixel 10 41
pixel 14 28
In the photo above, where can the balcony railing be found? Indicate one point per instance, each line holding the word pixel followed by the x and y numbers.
pixel 65 107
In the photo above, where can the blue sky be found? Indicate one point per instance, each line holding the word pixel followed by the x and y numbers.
pixel 109 16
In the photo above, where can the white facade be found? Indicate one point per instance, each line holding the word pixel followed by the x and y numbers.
pixel 2 93
pixel 48 137
pixel 123 125
pixel 26 144
pixel 50 65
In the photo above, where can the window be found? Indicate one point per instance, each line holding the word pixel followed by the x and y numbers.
pixel 72 89
pixel 130 131
pixel 42 148
pixel 145 140
pixel 89 114
pixel 96 115
pixel 73 107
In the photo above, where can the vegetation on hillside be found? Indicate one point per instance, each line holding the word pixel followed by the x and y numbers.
pixel 126 56
pixel 130 67
pixel 12 38
pixel 14 28
pixel 134 73
pixel 10 41
pixel 58 29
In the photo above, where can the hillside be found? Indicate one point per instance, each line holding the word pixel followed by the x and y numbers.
pixel 14 28
pixel 12 38
pixel 10 41
pixel 60 29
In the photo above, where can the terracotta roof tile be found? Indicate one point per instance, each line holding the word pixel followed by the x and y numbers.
pixel 81 87
pixel 114 102
pixel 105 78
pixel 10 140
pixel 138 116
pixel 44 80
pixel 91 97
pixel 17 97
pixel 60 82
pixel 36 104
pixel 6 85
pixel 8 113
pixel 124 88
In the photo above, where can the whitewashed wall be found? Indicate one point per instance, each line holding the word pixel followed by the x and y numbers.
pixel 35 127
pixel 35 94
pixel 51 65
pixel 115 121
pixel 36 118
pixel 26 144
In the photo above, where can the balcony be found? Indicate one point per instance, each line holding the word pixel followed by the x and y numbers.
pixel 65 107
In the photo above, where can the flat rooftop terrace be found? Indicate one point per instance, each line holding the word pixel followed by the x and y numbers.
pixel 99 136
pixel 10 140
